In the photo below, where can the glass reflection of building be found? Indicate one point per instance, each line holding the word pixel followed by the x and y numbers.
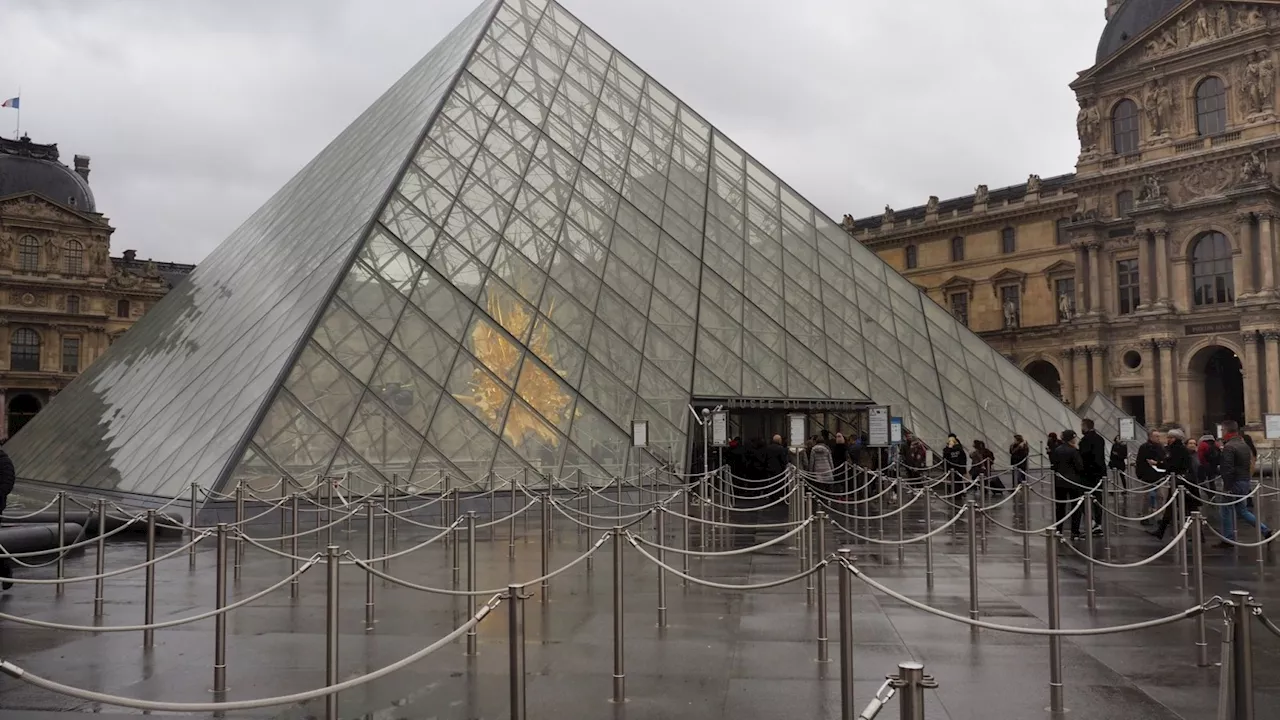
pixel 566 248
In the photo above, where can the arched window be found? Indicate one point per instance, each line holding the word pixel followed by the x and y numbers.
pixel 122 309
pixel 913 257
pixel 1008 240
pixel 1212 279
pixel 29 254
pixel 1124 203
pixel 1211 106
pixel 24 350
pixel 73 258
pixel 1124 128
pixel 957 249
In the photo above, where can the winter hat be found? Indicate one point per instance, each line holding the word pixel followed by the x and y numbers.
pixel 1177 433
pixel 1207 438
pixel 1068 435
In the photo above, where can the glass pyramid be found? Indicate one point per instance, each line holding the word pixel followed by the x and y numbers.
pixel 1106 418
pixel 524 245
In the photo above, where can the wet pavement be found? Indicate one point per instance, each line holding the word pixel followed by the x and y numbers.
pixel 736 655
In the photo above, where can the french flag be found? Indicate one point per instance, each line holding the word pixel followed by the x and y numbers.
pixel 11 102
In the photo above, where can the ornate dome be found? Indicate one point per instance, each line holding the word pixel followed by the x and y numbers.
pixel 1130 20
pixel 28 167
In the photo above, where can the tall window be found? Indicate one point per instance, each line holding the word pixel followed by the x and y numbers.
pixel 1127 288
pixel 1211 106
pixel 1065 296
pixel 1211 275
pixel 29 254
pixel 957 249
pixel 1011 306
pixel 1124 203
pixel 73 258
pixel 960 307
pixel 122 309
pixel 913 257
pixel 1124 128
pixel 1008 241
pixel 73 304
pixel 70 354
pixel 1061 236
pixel 24 350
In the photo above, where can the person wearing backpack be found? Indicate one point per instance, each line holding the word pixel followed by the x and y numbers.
pixel 1210 454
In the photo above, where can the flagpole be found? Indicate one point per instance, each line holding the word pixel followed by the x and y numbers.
pixel 17 128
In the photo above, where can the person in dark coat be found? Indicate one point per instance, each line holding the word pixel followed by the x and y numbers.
pixel 1147 467
pixel 776 459
pixel 1093 452
pixel 840 458
pixel 957 463
pixel 1067 467
pixel 1118 460
pixel 7 478
pixel 1019 452
pixel 1177 465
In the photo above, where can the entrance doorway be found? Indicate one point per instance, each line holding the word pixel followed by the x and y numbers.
pixel 20 411
pixel 1044 373
pixel 1135 406
pixel 1221 393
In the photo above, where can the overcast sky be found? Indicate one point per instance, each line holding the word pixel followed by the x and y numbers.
pixel 195 112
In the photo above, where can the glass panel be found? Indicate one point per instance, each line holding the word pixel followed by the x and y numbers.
pixel 493 348
pixel 405 389
pixel 371 299
pixel 531 437
pixel 462 439
pixel 664 394
pixel 617 354
pixel 554 347
pixel 541 389
pixel 478 391
pixel 607 392
pixel 350 341
pixel 512 313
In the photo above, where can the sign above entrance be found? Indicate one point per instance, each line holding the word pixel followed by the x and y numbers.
pixel 741 403
pixel 1127 429
pixel 878 426
pixel 1271 426
pixel 639 433
pixel 1212 327
pixel 719 428
pixel 796 424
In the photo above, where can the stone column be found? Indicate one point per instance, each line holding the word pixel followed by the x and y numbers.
pixel 4 415
pixel 1241 269
pixel 1272 338
pixel 1068 375
pixel 1253 400
pixel 1162 267
pixel 1098 369
pixel 1080 376
pixel 1093 251
pixel 1266 252
pixel 1168 374
pixel 1144 271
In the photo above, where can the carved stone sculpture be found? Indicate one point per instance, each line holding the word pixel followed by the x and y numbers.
pixel 1202 29
pixel 1088 122
pixel 1064 308
pixel 1010 315
pixel 1258 87
pixel 1152 189
pixel 98 256
pixel 931 207
pixel 980 195
pixel 6 246
pixel 1254 168
pixel 1033 183
pixel 888 214
pixel 52 250
pixel 1158 103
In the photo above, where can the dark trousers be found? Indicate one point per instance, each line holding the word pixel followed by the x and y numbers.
pixel 1192 502
pixel 1066 497
pixel 6 566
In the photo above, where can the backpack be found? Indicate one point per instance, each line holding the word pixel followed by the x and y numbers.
pixel 1213 458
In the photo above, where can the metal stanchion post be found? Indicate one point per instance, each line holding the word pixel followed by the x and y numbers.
pixel 660 517
pixel 1055 622
pixel 220 620
pixel 515 646
pixel 971 516
pixel 149 599
pixel 370 536
pixel 546 545
pixel 845 583
pixel 911 696
pixel 331 634
pixel 820 532
pixel 457 552
pixel 100 562
pixel 194 525
pixel 1197 556
pixel 984 496
pixel 284 522
pixel 293 544
pixel 1107 497
pixel 1180 511
pixel 1026 528
pixel 239 528
pixel 619 670
pixel 62 541
pixel 393 504
pixel 388 521
pixel 1258 501
pixel 806 547
pixel 902 498
pixel 928 541
pixel 880 513
pixel 1242 656
pixel 472 580
pixel 684 531
pixel 511 520
pixel 1090 592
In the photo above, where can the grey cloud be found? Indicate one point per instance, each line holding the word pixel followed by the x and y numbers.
pixel 195 112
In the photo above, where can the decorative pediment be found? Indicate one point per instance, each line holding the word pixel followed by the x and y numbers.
pixel 1194 24
pixel 1062 267
pixel 1007 277
pixel 957 282
pixel 34 206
